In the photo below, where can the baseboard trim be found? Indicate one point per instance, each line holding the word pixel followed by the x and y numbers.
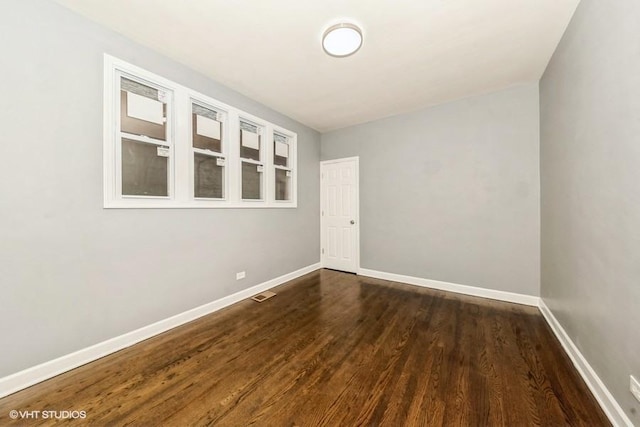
pixel 606 400
pixel 453 287
pixel 28 377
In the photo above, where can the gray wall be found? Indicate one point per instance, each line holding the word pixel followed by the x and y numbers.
pixel 590 157
pixel 451 193
pixel 74 274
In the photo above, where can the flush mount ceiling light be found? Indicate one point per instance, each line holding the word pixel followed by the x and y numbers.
pixel 342 40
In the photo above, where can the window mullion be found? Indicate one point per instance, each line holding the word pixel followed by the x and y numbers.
pixel 182 183
pixel 233 155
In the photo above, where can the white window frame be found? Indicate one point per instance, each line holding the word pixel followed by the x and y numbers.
pixel 179 140
pixel 262 132
pixel 224 148
pixel 113 133
pixel 293 164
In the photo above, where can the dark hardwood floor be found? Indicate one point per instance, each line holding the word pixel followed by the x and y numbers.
pixel 333 349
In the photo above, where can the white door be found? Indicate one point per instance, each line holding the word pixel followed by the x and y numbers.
pixel 339 214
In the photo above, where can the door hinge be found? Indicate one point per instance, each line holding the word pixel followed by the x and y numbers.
pixel 323 251
pixel 322 213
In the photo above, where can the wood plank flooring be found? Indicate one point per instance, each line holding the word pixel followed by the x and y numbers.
pixel 333 349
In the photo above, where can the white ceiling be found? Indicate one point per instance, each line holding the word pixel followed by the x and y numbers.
pixel 416 53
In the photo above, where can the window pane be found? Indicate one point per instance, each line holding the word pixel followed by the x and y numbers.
pixel 206 129
pixel 251 181
pixel 144 171
pixel 283 185
pixel 141 111
pixel 280 155
pixel 249 145
pixel 248 153
pixel 208 177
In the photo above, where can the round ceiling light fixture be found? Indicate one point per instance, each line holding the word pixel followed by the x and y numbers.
pixel 342 40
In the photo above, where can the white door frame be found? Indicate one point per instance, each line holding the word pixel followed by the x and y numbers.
pixel 357 209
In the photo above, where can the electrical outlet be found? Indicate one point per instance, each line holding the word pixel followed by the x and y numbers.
pixel 635 388
pixel 240 275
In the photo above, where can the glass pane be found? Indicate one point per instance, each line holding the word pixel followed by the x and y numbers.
pixel 141 110
pixel 280 161
pixel 206 129
pixel 251 181
pixel 249 153
pixel 250 144
pixel 145 169
pixel 208 177
pixel 283 185
pixel 280 151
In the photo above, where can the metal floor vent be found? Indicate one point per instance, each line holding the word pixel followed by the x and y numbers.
pixel 263 296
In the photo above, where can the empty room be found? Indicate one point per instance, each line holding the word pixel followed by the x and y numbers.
pixel 320 213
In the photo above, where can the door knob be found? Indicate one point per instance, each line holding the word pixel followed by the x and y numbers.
pixel 352 222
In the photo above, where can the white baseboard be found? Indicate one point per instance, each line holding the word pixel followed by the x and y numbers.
pixel 453 287
pixel 607 402
pixel 28 377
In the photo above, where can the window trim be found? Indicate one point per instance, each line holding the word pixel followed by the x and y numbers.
pixel 179 140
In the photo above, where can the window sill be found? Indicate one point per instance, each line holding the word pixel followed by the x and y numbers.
pixel 163 204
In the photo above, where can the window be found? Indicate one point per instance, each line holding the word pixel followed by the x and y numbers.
pixel 144 146
pixel 251 153
pixel 167 146
pixel 209 160
pixel 282 165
